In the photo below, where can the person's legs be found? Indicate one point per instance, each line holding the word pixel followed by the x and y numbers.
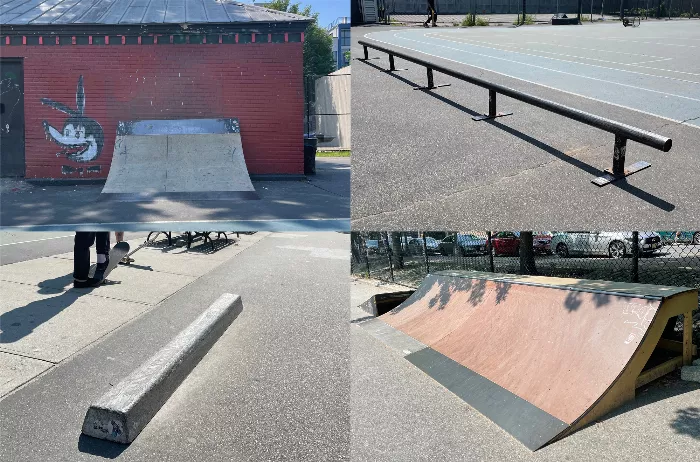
pixel 81 258
pixel 434 17
pixel 102 246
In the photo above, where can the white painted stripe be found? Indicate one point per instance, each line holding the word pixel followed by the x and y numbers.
pixel 544 86
pixel 36 240
pixel 549 68
pixel 566 60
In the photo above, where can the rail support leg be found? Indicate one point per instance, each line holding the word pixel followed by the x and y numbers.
pixel 431 82
pixel 366 53
pixel 492 109
pixel 392 67
pixel 618 169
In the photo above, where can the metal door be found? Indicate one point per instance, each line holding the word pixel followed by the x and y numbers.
pixel 11 118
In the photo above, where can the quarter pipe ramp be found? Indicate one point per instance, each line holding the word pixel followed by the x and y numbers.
pixel 539 356
pixel 191 159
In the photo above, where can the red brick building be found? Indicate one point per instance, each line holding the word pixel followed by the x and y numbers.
pixel 71 72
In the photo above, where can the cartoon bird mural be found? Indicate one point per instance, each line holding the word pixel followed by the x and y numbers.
pixel 81 138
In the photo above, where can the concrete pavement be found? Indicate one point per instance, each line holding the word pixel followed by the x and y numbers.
pixel 420 420
pixel 320 202
pixel 438 169
pixel 40 310
pixel 275 386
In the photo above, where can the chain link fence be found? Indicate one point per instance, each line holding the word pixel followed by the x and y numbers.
pixel 664 258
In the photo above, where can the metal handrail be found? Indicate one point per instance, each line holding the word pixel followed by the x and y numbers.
pixel 622 132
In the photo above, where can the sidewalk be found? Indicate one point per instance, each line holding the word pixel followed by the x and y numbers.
pixel 274 386
pixel 45 321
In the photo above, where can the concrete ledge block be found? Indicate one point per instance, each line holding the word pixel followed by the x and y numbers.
pixel 121 413
pixel 696 362
pixel 690 373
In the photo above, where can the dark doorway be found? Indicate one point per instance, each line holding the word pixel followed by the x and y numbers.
pixel 11 117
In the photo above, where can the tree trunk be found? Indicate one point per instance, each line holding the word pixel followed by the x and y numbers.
pixel 397 253
pixel 356 244
pixel 527 253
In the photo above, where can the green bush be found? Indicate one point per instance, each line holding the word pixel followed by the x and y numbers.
pixel 470 21
pixel 529 19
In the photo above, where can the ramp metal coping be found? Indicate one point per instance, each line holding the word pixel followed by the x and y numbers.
pixel 622 132
pixel 563 287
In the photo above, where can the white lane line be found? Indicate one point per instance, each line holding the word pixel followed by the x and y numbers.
pixel 568 61
pixel 545 86
pixel 550 69
pixel 630 41
pixel 37 240
pixel 596 49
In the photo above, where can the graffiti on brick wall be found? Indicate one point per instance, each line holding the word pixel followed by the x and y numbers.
pixel 81 138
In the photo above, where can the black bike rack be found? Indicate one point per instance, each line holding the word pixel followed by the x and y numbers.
pixel 621 131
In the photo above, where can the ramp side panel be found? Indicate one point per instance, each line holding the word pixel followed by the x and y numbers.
pixel 138 165
pixel 439 307
pixel 559 350
pixel 527 423
pixel 207 163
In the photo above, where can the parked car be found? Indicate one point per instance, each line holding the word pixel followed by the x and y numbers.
pixel 505 243
pixel 470 244
pixel 415 246
pixel 372 246
pixel 542 243
pixel 691 237
pixel 612 244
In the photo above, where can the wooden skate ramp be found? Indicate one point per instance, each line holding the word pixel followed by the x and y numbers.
pixel 186 159
pixel 539 356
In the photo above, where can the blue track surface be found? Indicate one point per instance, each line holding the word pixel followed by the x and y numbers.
pixel 653 69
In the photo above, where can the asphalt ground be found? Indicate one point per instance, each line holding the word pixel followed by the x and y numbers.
pixel 275 386
pixel 400 413
pixel 321 202
pixel 435 168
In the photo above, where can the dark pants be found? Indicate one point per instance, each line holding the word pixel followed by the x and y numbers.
pixel 432 13
pixel 81 251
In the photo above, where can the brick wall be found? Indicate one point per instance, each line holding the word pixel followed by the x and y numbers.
pixel 259 83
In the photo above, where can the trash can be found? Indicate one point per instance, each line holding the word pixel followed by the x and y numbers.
pixel 310 144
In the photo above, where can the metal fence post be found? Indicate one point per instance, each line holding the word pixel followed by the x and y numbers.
pixel 635 256
pixel 369 274
pixel 425 252
pixel 388 254
pixel 491 267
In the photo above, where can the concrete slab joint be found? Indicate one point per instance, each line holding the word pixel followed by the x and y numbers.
pixel 124 411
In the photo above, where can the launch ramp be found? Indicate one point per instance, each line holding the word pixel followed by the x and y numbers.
pixel 539 356
pixel 190 159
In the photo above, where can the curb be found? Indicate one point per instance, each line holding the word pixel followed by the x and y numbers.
pixel 121 413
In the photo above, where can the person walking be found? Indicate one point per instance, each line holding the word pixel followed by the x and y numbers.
pixel 81 258
pixel 432 14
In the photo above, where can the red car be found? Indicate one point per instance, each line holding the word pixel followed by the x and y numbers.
pixel 508 243
pixel 505 243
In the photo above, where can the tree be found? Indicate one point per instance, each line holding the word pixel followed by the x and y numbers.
pixel 318 44
pixel 348 57
pixel 396 251
pixel 527 253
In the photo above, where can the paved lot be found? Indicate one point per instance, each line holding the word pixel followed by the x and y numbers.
pixel 399 413
pixel 322 202
pixel 275 386
pixel 438 168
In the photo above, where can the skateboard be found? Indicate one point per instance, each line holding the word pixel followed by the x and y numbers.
pixel 115 255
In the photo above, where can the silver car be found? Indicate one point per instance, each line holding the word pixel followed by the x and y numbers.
pixel 612 244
